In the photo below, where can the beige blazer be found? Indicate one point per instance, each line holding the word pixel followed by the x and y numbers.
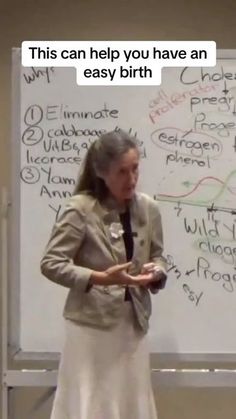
pixel 84 240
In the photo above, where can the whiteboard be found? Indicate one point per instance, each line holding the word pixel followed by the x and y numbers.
pixel 186 132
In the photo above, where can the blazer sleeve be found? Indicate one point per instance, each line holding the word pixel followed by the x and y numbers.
pixel 57 263
pixel 156 251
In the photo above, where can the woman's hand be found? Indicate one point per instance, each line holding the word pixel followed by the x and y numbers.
pixel 147 276
pixel 148 268
pixel 118 275
pixel 115 275
pixel 143 279
pixel 158 277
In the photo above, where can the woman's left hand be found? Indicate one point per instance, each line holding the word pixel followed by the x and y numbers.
pixel 157 275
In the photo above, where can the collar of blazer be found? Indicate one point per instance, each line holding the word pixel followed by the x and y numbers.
pixel 108 213
pixel 109 210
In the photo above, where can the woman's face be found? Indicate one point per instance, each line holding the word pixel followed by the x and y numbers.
pixel 122 176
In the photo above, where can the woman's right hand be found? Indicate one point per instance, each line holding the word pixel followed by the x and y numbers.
pixel 117 275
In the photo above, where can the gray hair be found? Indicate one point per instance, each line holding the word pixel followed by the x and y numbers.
pixel 101 154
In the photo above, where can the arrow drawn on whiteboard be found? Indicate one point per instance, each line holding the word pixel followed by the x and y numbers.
pixel 234 111
pixel 187 133
pixel 225 90
pixel 189 272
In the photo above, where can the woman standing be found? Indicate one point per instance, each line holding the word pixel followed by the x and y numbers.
pixel 107 249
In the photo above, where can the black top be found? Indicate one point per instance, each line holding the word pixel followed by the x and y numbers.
pixel 127 236
pixel 129 242
pixel 129 247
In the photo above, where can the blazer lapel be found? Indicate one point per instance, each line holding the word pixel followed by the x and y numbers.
pixel 108 213
pixel 110 222
pixel 138 225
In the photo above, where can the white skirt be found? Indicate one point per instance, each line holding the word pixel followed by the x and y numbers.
pixel 104 374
